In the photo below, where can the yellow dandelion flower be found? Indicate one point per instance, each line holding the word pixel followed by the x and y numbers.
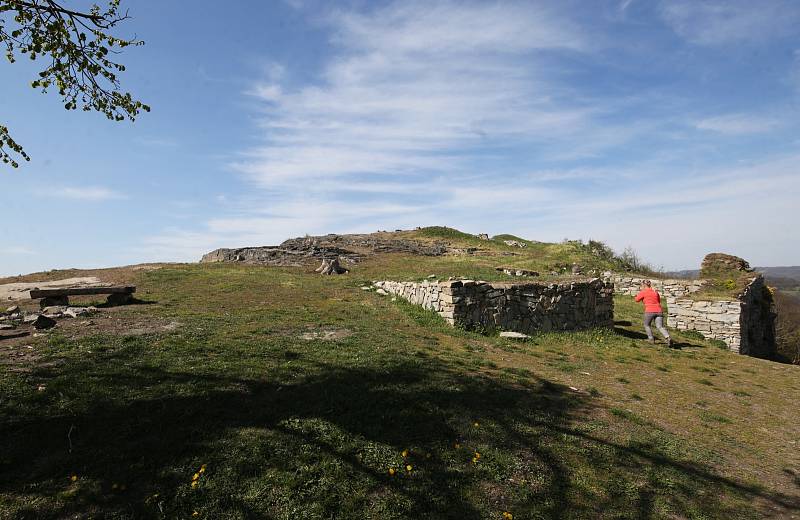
pixel 195 513
pixel 409 467
pixel 202 469
pixel 74 478
pixel 476 424
pixel 474 460
pixel 194 484
pixel 477 455
pixel 196 476
pixel 392 472
pixel 507 515
pixel 456 445
pixel 404 453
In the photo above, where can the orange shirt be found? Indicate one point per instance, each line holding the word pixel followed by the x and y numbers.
pixel 652 301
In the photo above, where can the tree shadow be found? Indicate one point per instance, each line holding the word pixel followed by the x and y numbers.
pixel 341 419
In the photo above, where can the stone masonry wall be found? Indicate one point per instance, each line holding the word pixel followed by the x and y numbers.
pixel 714 319
pixel 669 289
pixel 746 324
pixel 521 308
pixel 757 321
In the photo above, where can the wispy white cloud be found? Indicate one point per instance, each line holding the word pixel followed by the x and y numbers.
pixel 720 22
pixel 738 124
pixel 425 113
pixel 17 250
pixel 87 193
pixel 412 86
pixel 664 217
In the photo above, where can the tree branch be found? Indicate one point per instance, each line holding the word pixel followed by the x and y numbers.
pixel 52 6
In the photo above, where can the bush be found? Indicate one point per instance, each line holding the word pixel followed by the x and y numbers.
pixel 600 249
pixel 630 260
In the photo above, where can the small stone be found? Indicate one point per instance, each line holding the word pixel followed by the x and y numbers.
pixel 14 309
pixel 30 318
pixel 74 312
pixel 513 335
pixel 6 326
pixel 431 276
pixel 366 288
pixel 42 322
pixel 381 292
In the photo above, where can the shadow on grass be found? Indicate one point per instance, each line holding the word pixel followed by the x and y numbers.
pixel 132 301
pixel 632 334
pixel 320 445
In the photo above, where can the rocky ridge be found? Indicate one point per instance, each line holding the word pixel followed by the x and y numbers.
pixel 349 248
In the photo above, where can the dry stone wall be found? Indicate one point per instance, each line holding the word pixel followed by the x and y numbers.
pixel 670 289
pixel 745 324
pixel 714 319
pixel 524 308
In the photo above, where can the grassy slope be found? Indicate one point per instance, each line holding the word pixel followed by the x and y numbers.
pixel 297 428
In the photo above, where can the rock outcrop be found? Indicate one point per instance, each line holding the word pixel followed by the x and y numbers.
pixel 349 248
pixel 715 263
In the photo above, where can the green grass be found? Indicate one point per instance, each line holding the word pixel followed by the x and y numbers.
pixel 291 428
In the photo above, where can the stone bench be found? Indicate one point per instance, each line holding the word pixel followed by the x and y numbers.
pixel 117 295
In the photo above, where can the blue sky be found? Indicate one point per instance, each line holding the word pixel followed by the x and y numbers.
pixel 671 126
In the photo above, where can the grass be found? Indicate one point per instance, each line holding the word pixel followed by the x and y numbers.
pixel 292 425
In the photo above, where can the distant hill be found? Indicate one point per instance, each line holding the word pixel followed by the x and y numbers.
pixel 785 277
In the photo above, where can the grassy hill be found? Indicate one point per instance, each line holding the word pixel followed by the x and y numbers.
pixel 301 396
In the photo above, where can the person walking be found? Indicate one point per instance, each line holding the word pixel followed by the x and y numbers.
pixel 652 311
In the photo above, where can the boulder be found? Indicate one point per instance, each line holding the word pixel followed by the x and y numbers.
pixel 54 310
pixel 74 312
pixel 42 322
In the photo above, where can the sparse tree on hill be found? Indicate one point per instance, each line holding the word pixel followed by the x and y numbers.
pixel 79 51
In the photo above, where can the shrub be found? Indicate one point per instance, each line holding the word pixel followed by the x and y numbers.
pixel 629 260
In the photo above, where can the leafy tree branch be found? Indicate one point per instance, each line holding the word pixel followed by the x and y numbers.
pixel 80 54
